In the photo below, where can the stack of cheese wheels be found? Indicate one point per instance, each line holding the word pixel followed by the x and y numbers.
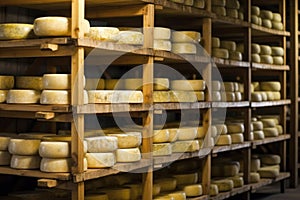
pixel 232 49
pixel 104 34
pixel 6 84
pixel 16 31
pixel 186 181
pixel 232 8
pixel 217 130
pixel 236 131
pixel 194 89
pixel 116 192
pixel 231 91
pixel 114 96
pixel 217 51
pixel 216 90
pixel 278 53
pixel 255 51
pixel 221 137
pixel 266 54
pixel 161 140
pixel 218 7
pixel 272 128
pixel 258 127
pixel 5 156
pixel 267 17
pixel 166 185
pixel 24 153
pixel 201 135
pixel 271 166
pixel 162 38
pixel 128 146
pixel 272 90
pixel 276 119
pixel 185 42
pixel 277 22
pixel 255 15
pixel 187 140
pixel 254 177
pixel 199 4
pixel 101 151
pixel 255 164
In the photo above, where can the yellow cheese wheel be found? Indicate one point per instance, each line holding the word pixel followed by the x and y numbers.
pixel 115 96
pixel 16 31
pixel 237 181
pixel 267 23
pixel 193 190
pixel 186 179
pixel 185 146
pixel 229 45
pixel 199 4
pixel 266 59
pixel 255 58
pixel 101 144
pixel 220 53
pixel 163 45
pixel 3 95
pixel 254 19
pixel 107 34
pixel 179 195
pixel 270 159
pixel 258 135
pixel 255 164
pixel 165 197
pixel 56 97
pixel 184 48
pixel 173 134
pixel 178 1
pixel 255 10
pixel 254 177
pixel 221 129
pixel 235 128
pixel 277 51
pixel 98 196
pixel 56 165
pixel 277 25
pixel 237 138
pixel 183 96
pixel 23 96
pixel 216 43
pixel 24 147
pixel 95 84
pixel 25 162
pixel 135 191
pixel 5 158
pixel 155 189
pixel 162 149
pixel 54 149
pixel 160 136
pixel 241 15
pixel 224 185
pixel 270 132
pixel 161 96
pixel 265 50
pixel 224 140
pixel 264 96
pixel 235 55
pixel 238 96
pixel 278 60
pixel 4 142
pixel 114 193
pixel 200 95
pixel 100 160
pixel 130 37
pixel 219 10
pixel 218 2
pixel 279 129
pixel 128 139
pixel 187 133
pixel 277 17
pixel 260 21
pixel 128 155
pixel 56 26
pixel 29 82
pixel 269 172
pixel 266 14
pixel 270 96
pixel 257 125
pixel 186 85
pixel 235 4
pixel 270 86
pixel 166 184
pixel 57 81
pixel 213 190
pixel 255 48
pixel 186 36
pixel 232 12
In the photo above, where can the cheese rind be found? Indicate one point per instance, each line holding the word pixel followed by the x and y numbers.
pixel 278 60
pixel 56 97
pixel 23 96
pixel 219 10
pixel 184 48
pixel 166 184
pixel 258 135
pixel 220 53
pixel 185 146
pixel 266 59
pixel 54 149
pixel 267 23
pixel 232 12
pixel 224 140
pixel 3 95
pixel 128 140
pixel 255 48
pixel 234 4
pixel 235 128
pixel 5 158
pixel 255 58
pixel 160 136
pixel 107 34
pixel 187 133
pixel 188 85
pixel 277 51
pixel 257 125
pixel 186 179
pixel 128 155
pixel 24 147
pixel 277 17
pixel 229 45
pixel 235 55
pixel 216 43
pixel 270 86
pixel 57 81
pixel 266 14
pixel 29 82
pixel 265 50
pixel 115 96
pixel 192 190
pixel 183 96
pixel 199 4
pixel 277 25
pixel 101 144
pixel 218 3
pixel 255 10
pixel 25 162
pixel 224 185
pixel 130 37
pixel 58 165
pixel 270 132
pixel 237 138
pixel 100 160
pixel 186 36
pixel 4 142
pixel 270 159
pixel 237 181
pixel 162 149
pixel 213 190
pixel 16 31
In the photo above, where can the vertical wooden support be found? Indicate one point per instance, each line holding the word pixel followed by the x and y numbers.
pixel 77 71
pixel 148 74
pixel 294 52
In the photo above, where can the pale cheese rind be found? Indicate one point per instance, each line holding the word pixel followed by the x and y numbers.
pixel 101 144
pixel 16 31
pixel 100 160
pixel 115 96
pixel 184 48
pixel 29 82
pixel 107 34
pixel 162 149
pixel 128 140
pixel 23 96
pixel 54 149
pixel 130 37
pixel 24 147
pixel 128 155
pixel 185 146
pixel 56 97
pixel 25 162
pixel 57 81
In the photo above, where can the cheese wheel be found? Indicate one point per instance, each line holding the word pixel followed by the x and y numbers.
pixel 186 36
pixel 100 160
pixel 130 37
pixel 277 51
pixel 270 86
pixel 56 26
pixel 115 96
pixel 55 97
pixel 218 2
pixel 235 55
pixel 164 45
pixel 257 126
pixel 128 155
pixel 213 190
pixel 220 53
pixel 114 84
pixel 270 159
pixel 5 158
pixel 278 60
pixel 255 48
pixel 136 191
pixel 187 133
pixel 128 140
pixel 264 96
pixel 101 144
pixel 255 10
pixel 23 96
pixel 161 84
pixel 270 96
pixel 16 31
pixel 279 129
pixel 3 95
pixel 188 2
pixel 184 48
pixel 266 59
pixel 213 131
pixel 238 96
pixel 160 136
pixel 57 81
pixel 106 34
pixel 219 10
pixel 199 4
pixel 228 96
pixel 232 12
pixel 237 181
pixel 216 43
pixel 259 135
pixel 255 164
pixel 4 142
pixel 155 189
pixel 221 129
pixel 179 195
pixel 260 21
pixel 173 134
pixel 216 86
pixel 254 177
pixel 164 198
pixel 216 96
pixel 255 58
pixel 25 162
pixel 224 140
pixel 266 14
pixel 255 19
pixel 269 172
pixel 200 95
pixel 277 25
pixel 54 149
pixel 237 138
pixel 161 96
pixel 235 128
pixel 162 149
pixel 193 190
pixel 186 85
pixel 137 83
pixel 270 132
pixel 161 33
pixel 240 47
pixel 58 165
pixel 267 23
pixel 98 196
pixel 166 184
pixel 182 96
pixel 241 15
pixel 265 50
pixel 185 146
pixel 24 147
pixel 277 17
pixel 229 45
pixel 29 82
pixel 234 4
pixel 95 84
pixel 224 185
pixel 186 179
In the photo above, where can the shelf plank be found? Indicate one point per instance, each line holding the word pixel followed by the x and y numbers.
pixel 270 103
pixel 167 56
pixel 230 63
pixel 266 181
pixel 230 104
pixel 219 149
pixel 271 140
pixel 181 106
pixel 35 108
pixel 230 21
pixel 260 30
pixel 34 42
pixel 108 108
pixel 204 197
pixel 270 67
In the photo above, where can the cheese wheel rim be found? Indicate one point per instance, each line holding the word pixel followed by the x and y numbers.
pixel 16 31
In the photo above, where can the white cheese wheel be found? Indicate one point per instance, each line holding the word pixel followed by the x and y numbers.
pixel 184 48
pixel 278 60
pixel 260 21
pixel 213 131
pixel 235 128
pixel 237 181
pixel 187 133
pixel 4 142
pixel 179 195
pixel 166 184
pixel 235 55
pixel 115 96
pixel 254 19
pixel 101 144
pixel 161 96
pixel 219 10
pixel 16 31
pixel 25 162
pixel 279 129
pixel 24 147
pixel 23 96
pixel 264 96
pixel 218 2
pixel 270 96
pixel 128 139
pixel 199 3
pixel 238 96
pixel 221 129
pixel 29 82
pixel 270 132
pixel 237 138
pixel 130 37
pixel 173 134
pixel 265 50
pixel 216 43
pixel 220 53
pixel 58 165
pixel 186 85
pixel 5 158
pixel 257 125
pixel 128 155
pixel 188 2
pixel 232 12
pixel 183 96
pixel 216 96
pixel 224 185
pixel 224 140
pixel 186 36
pixel 193 190
pixel 200 95
pixel 269 172
pixel 114 84
pixel 259 135
pixel 266 59
pixel 113 193
pixel 100 160
pixel 3 95
pixel 55 97
pixel 255 10
pixel 164 45
pixel 56 26
pixel 277 51
pixel 277 25
pixel 267 23
pixel 57 81
pixel 162 149
pixel 235 4
pixel 106 34
pixel 254 177
pixel 213 190
pixel 229 45
pixel 186 179
pixel 266 14
pixel 185 146
pixel 160 136
pixel 255 58
pixel 137 83
pixel 270 159
pixel 98 196
pixel 241 15
pixel 255 48
pixel 161 33
pixel 54 149
pixel 255 164
pixel 228 96
pixel 216 86
pixel 270 86
pixel 277 17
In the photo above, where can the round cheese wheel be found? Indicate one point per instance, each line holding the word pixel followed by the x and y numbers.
pixel 161 96
pixel 161 33
pixel 220 53
pixel 162 149
pixel 163 45
pixel 265 50
pixel 58 165
pixel 278 60
pixel 100 160
pixel 98 196
pixel 232 12
pixel 257 125
pixel 213 190
pixel 255 58
pixel 165 197
pixel 277 17
pixel 259 135
pixel 107 34
pixel 184 48
pixel 200 95
pixel 270 96
pixel 235 55
pixel 238 96
pixel 219 2
pixel 264 96
pixel 241 15
pixel 128 155
pixel 4 142
pixel 216 86
pixel 155 189
pixel 269 172
pixel 201 132
pixel 266 59
pixel 183 96
pixel 161 84
pixel 23 96
pixel 254 177
pixel 55 97
pixel 216 96
pixel 29 82
pixel 24 147
pixel 224 185
pixel 5 158
pixel 267 23
pixel 114 96
pixel 270 132
pixel 3 95
pixel 16 31
pixel 25 162
pixel 254 19
pixel 213 131
pixel 266 14
pixel 180 195
pixel 193 190
pixel 57 81
pixel 228 96
pixel 219 10
pixel 255 164
pixel 259 21
pixel 128 140
pixel 216 43
pixel 279 129
pixel 268 122
pixel 222 129
pixel 160 136
pixel 277 51
pixel 54 149
pixel 185 146
pixel 173 134
pixel 235 128
pixel 270 86
pixel 101 144
pixel 270 159
pixel 166 184
pixel 237 138
pixel 255 48
pixel 240 47
pixel 186 179
pixel 237 181
pixel 186 36
pixel 233 4
pixel 196 85
pixel 224 140
pixel 188 2
pixel 56 26
pixel 229 45
pixel 95 84
pixel 130 37
pixel 277 25
pixel 255 10
pixel 187 133
pixel 199 4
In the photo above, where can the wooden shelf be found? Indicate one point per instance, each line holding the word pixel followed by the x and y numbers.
pixel 204 197
pixel 219 149
pixel 233 192
pixel 262 31
pixel 271 140
pixel 230 63
pixel 230 104
pixel 109 108
pixel 36 108
pixel 270 103
pixel 266 181
pixel 180 106
pixel 270 67
pixel 230 21
pixel 169 57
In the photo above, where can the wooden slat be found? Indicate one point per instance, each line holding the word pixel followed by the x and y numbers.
pixel 270 67
pixel 204 197
pixel 265 181
pixel 230 104
pixel 270 103
pixel 271 140
pixel 35 107
pixel 219 149
pixel 230 63
pixel 260 30
pixel 177 106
